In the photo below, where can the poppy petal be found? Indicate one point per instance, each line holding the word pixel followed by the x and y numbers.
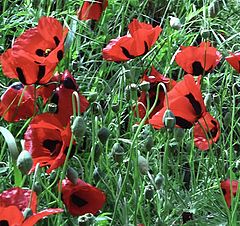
pixel 234 61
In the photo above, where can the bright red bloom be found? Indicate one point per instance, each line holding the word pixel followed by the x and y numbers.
pixel 36 53
pixel 154 79
pixel 141 38
pixel 47 141
pixel 18 197
pixel 234 61
pixel 226 189
pixel 11 109
pixel 82 198
pixel 92 10
pixel 62 97
pixel 12 216
pixel 186 103
pixel 212 129
pixel 195 60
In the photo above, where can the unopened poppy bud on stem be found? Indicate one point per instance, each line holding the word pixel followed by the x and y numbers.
pixel 205 33
pixel 52 108
pixel 103 135
pixel 149 192
pixel 159 179
pixel 86 219
pixel 144 86
pixel 208 100
pixel 78 127
pixel 175 23
pixel 169 119
pixel 117 152
pixel 227 119
pixel 115 107
pixel 37 187
pixel 27 213
pixel 143 164
pixel 24 162
pixel 72 175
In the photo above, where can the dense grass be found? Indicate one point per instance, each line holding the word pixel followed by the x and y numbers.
pixel 191 177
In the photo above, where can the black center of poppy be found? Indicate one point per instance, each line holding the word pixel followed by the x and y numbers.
pixel 54 146
pixel 17 86
pixel 195 104
pixel 21 76
pixel 78 201
pixel 197 68
pixel 69 84
pixel 4 223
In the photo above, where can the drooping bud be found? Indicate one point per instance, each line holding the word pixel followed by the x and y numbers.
pixel 213 8
pixel 24 162
pixel 227 119
pixel 179 134
pixel 86 219
pixel 103 135
pixel 117 152
pixel 144 86
pixel 37 187
pixel 208 100
pixel 149 192
pixel 175 23
pixel 52 107
pixel 159 179
pixel 93 97
pixel 72 175
pixel 169 119
pixel 205 34
pixel 97 174
pixel 78 127
pixel 115 107
pixel 149 143
pixel 97 152
pixel 27 213
pixel 143 165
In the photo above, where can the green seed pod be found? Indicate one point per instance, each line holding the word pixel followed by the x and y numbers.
pixel 27 213
pixel 205 34
pixel 159 179
pixel 227 119
pixel 179 134
pixel 143 165
pixel 117 152
pixel 24 162
pixel 149 192
pixel 37 187
pixel 169 119
pixel 52 108
pixel 149 143
pixel 208 100
pixel 78 127
pixel 72 175
pixel 144 86
pixel 103 135
pixel 175 23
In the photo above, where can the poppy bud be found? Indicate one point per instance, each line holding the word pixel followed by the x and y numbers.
pixel 213 8
pixel 117 152
pixel 143 165
pixel 179 134
pixel 115 107
pixel 37 187
pixel 227 119
pixel 205 34
pixel 93 97
pixel 159 179
pixel 149 143
pixel 51 107
pixel 27 213
pixel 97 152
pixel 149 192
pixel 103 135
pixel 72 175
pixel 97 174
pixel 96 108
pixel 175 23
pixel 169 119
pixel 24 162
pixel 78 127
pixel 216 99
pixel 208 100
pixel 144 86
pixel 86 219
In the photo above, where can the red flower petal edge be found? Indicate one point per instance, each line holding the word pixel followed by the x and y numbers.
pixel 234 61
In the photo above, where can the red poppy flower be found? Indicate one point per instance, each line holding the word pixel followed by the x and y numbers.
pixel 186 103
pixel 35 54
pixel 226 189
pixel 82 198
pixel 12 216
pixel 234 61
pixel 206 125
pixel 18 197
pixel 154 79
pixel 195 60
pixel 92 10
pixel 47 141
pixel 141 38
pixel 62 97
pixel 11 108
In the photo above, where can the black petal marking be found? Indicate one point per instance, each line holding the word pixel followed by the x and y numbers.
pixel 197 68
pixel 41 72
pixel 224 191
pixel 54 146
pixel 60 55
pixel 36 62
pixel 146 48
pixel 21 75
pixel 69 84
pixel 17 86
pixel 4 223
pixel 126 53
pixel 55 99
pixel 40 52
pixel 56 40
pixel 183 123
pixel 195 104
pixel 78 201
